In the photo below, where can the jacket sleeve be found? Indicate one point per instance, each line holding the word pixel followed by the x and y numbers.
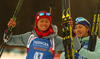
pixel 91 55
pixel 62 56
pixel 76 43
pixel 58 44
pixel 19 40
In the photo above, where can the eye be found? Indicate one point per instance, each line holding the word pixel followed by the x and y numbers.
pixel 80 27
pixel 41 20
pixel 75 28
pixel 47 21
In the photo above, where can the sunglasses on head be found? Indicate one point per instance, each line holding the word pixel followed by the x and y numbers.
pixel 80 19
pixel 42 14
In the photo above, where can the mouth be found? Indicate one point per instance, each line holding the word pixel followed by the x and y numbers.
pixel 44 26
pixel 79 33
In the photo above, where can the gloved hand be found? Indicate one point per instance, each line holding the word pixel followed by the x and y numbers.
pixel 6 38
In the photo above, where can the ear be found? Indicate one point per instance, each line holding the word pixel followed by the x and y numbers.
pixel 74 31
pixel 88 29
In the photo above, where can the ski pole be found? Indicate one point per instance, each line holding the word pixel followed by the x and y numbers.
pixel 10 29
pixel 3 46
pixel 99 24
pixel 52 5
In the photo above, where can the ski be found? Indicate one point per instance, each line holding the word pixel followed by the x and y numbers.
pixel 99 25
pixel 10 29
pixel 67 30
pixel 94 30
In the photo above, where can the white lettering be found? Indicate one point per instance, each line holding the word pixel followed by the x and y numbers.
pixel 41 43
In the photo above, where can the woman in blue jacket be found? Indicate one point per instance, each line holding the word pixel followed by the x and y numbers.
pixel 82 30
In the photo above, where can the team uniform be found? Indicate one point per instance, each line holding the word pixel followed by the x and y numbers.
pixel 53 47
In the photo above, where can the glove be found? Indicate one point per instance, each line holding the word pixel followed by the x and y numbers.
pixel 6 39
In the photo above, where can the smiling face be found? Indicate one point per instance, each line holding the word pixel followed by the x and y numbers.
pixel 43 25
pixel 81 30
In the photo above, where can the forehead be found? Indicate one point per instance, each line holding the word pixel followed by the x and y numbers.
pixel 79 25
pixel 44 19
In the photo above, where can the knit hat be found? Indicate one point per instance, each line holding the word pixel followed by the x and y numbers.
pixel 82 21
pixel 42 14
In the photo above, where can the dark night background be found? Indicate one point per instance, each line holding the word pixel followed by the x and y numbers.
pixel 26 16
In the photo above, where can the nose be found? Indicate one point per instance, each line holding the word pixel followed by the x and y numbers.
pixel 44 23
pixel 76 30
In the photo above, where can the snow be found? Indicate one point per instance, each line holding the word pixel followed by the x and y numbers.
pixel 13 55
